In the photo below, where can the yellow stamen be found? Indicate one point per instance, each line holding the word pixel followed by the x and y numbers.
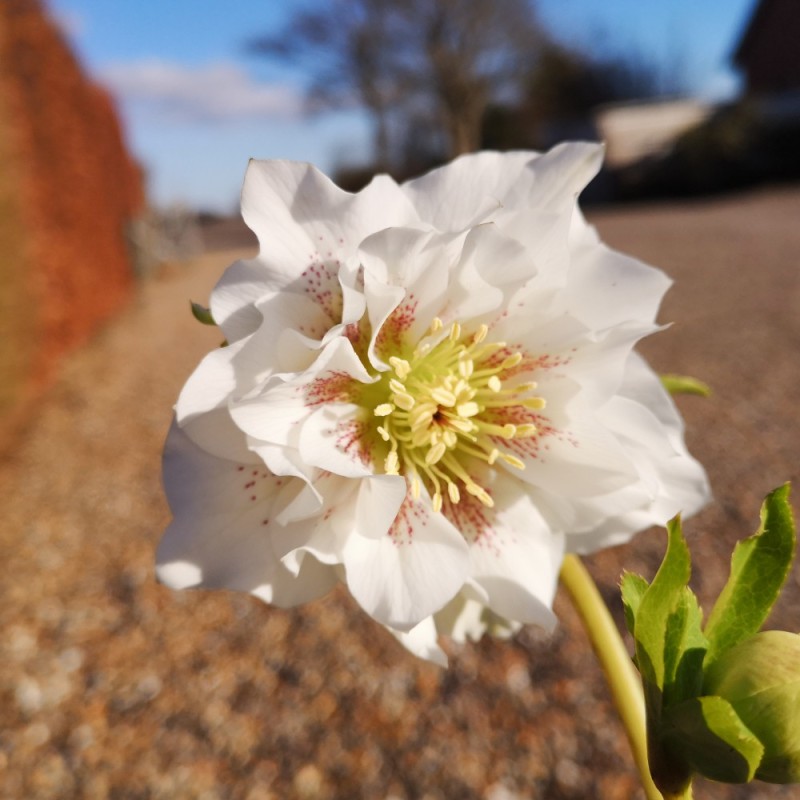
pixel 480 334
pixel 403 400
pixel 401 367
pixel 448 407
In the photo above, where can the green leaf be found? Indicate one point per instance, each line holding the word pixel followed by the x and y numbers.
pixel 684 384
pixel 658 603
pixel 202 314
pixel 633 588
pixel 759 567
pixel 710 736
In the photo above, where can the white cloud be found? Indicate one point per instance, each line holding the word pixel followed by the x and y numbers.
pixel 217 92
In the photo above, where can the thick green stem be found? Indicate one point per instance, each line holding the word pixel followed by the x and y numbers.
pixel 623 680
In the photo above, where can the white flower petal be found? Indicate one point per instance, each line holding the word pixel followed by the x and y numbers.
pixel 337 505
pixel 286 589
pixel 276 412
pixel 562 173
pixel 285 313
pixel 467 191
pixel 597 362
pixel 609 288
pixel 379 500
pixel 514 556
pixel 234 297
pixel 217 434
pixel 581 461
pixel 492 267
pixel 421 640
pixel 332 439
pixel 670 480
pixel 220 534
pixel 304 221
pixel 405 283
pixel 211 384
pixel 473 188
pixel 466 619
pixel 317 522
pixel 545 235
pixel 463 619
pixel 282 460
pixel 409 573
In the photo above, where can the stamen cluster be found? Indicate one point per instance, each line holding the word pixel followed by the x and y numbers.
pixel 447 406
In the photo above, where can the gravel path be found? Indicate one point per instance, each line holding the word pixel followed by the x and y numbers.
pixel 114 687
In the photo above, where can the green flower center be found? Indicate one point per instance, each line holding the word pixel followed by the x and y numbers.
pixel 448 404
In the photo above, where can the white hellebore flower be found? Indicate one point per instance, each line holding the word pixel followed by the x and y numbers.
pixel 429 393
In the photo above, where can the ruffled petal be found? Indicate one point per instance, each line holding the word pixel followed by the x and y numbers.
pixel 470 189
pixel 409 573
pixel 333 439
pixel 608 288
pixel 275 413
pixel 491 268
pixel 306 224
pixel 220 533
pixel 316 522
pixel 202 407
pixel 670 480
pixel 287 589
pixel 211 384
pixel 405 283
pixel 473 188
pixel 562 173
pixel 234 297
pixel 514 556
pixel 421 640
pixel 466 619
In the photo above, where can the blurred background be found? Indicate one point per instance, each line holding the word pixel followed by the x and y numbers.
pixel 125 129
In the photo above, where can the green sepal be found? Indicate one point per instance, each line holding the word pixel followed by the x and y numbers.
pixel 708 734
pixel 670 646
pixel 684 650
pixel 684 384
pixel 658 603
pixel 632 587
pixel 202 314
pixel 759 567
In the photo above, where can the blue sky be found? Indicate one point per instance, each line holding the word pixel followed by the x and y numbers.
pixel 196 106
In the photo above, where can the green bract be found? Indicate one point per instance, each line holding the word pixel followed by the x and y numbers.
pixel 202 314
pixel 722 700
pixel 685 384
pixel 759 567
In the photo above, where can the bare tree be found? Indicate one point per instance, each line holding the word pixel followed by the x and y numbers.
pixel 346 48
pixel 442 61
pixel 475 52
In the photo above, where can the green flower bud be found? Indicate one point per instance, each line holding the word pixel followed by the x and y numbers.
pixel 760 678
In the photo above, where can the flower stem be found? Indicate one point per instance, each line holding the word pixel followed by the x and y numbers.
pixel 620 673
